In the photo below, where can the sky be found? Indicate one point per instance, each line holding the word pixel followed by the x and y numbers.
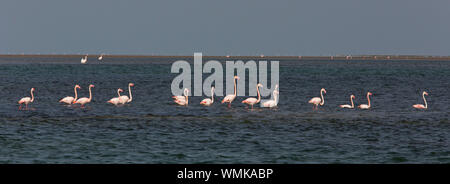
pixel 231 27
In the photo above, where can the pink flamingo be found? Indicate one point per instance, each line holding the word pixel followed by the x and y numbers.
pixel 274 102
pixel 349 106
pixel 85 100
pixel 184 100
pixel 26 100
pixel 420 106
pixel 229 98
pixel 208 101
pixel 252 101
pixel 365 106
pixel 318 101
pixel 125 99
pixel 185 92
pixel 115 100
pixel 68 99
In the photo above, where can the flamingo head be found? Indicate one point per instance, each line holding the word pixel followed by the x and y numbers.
pixel 425 93
pixel 32 89
pixel 352 96
pixel 77 86
pixel 91 86
pixel 120 90
pixel 236 77
pixel 324 91
pixel 131 84
pixel 260 85
pixel 369 93
pixel 186 91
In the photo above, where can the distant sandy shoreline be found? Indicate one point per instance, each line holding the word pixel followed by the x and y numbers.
pixel 358 57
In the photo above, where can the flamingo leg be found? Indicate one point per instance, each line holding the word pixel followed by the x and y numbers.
pixel 26 106
pixel 20 107
pixel 229 105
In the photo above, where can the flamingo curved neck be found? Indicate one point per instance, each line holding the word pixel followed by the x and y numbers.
pixel 235 80
pixel 90 94
pixel 259 95
pixel 212 95
pixel 424 100
pixel 129 91
pixel 32 96
pixel 351 100
pixel 321 95
pixel 118 92
pixel 76 95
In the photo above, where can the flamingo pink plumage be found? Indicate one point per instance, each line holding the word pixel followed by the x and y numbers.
pixel 421 106
pixel 115 100
pixel 184 100
pixel 208 101
pixel 68 99
pixel 366 106
pixel 125 99
pixel 252 101
pixel 26 100
pixel 85 100
pixel 349 106
pixel 318 100
pixel 229 98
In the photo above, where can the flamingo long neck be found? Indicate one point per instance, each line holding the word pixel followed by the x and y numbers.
pixel 90 94
pixel 129 91
pixel 234 86
pixel 368 99
pixel 212 95
pixel 426 105
pixel 321 95
pixel 259 95
pixel 118 92
pixel 32 96
pixel 76 95
pixel 351 100
pixel 275 97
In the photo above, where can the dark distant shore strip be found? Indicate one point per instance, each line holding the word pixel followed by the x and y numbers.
pixel 349 57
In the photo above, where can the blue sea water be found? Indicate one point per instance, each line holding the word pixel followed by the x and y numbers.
pixel 152 129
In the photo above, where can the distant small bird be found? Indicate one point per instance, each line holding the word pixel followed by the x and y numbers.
pixel 318 101
pixel 100 58
pixel 84 60
pixel 26 100
pixel 366 106
pixel 420 106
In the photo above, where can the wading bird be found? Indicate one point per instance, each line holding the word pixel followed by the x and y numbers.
pixel 273 102
pixel 349 106
pixel 84 100
pixel 318 101
pixel 252 101
pixel 68 99
pixel 208 101
pixel 100 58
pixel 366 106
pixel 125 99
pixel 115 100
pixel 182 100
pixel 84 60
pixel 26 100
pixel 420 106
pixel 229 98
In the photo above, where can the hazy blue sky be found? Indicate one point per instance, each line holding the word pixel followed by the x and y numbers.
pixel 236 27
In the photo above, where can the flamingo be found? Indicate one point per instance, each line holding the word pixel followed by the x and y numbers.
pixel 68 99
pixel 231 97
pixel 420 106
pixel 365 106
pixel 84 60
pixel 100 58
pixel 125 99
pixel 85 100
pixel 318 101
pixel 115 100
pixel 26 100
pixel 184 100
pixel 349 106
pixel 274 101
pixel 208 101
pixel 185 92
pixel 252 101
